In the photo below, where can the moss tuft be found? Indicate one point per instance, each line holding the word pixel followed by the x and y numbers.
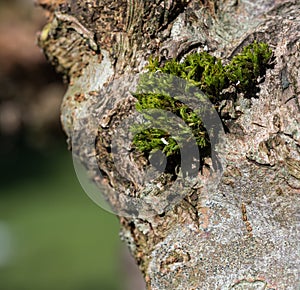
pixel 246 68
pixel 153 139
pixel 205 72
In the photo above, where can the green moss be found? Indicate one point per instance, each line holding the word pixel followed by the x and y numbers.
pixel 205 72
pixel 156 139
pixel 246 67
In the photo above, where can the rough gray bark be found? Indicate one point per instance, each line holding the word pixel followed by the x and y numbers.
pixel 241 233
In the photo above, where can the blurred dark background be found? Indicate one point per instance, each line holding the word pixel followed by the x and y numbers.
pixel 52 236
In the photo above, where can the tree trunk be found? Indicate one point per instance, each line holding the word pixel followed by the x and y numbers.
pixel 235 227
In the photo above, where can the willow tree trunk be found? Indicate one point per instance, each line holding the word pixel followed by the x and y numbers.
pixel 242 231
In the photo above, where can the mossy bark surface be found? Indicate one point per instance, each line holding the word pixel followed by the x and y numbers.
pixel 242 233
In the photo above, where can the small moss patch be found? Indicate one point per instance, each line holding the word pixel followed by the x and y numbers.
pixel 203 71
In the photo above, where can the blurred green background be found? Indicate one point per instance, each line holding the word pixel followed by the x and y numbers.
pixel 52 236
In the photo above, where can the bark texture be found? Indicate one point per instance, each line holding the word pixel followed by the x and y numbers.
pixel 242 233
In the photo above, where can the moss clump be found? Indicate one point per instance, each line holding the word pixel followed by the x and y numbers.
pixel 246 68
pixel 205 72
pixel 200 69
pixel 151 139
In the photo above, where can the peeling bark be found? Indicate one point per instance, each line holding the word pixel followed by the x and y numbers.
pixel 241 233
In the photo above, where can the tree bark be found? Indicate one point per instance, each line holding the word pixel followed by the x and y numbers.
pixel 239 232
